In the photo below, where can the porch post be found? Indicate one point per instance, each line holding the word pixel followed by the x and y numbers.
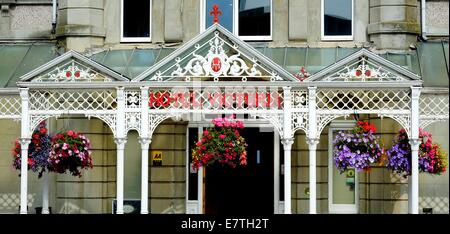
pixel 287 146
pixel 145 144
pixel 414 141
pixel 145 141
pixel 312 141
pixel 120 141
pixel 24 143
pixel 45 209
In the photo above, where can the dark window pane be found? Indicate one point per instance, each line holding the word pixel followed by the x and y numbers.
pixel 254 18
pixel 226 19
pixel 136 18
pixel 338 17
pixel 193 179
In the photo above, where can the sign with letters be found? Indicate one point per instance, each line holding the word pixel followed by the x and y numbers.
pixel 157 158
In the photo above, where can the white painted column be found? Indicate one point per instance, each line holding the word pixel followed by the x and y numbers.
pixel 312 142
pixel 276 171
pixel 414 142
pixel 287 146
pixel 145 141
pixel 24 143
pixel 45 209
pixel 120 141
pixel 45 188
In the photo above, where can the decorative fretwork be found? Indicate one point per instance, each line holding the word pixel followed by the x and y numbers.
pixel 133 99
pixel 73 100
pixel 363 70
pixel 363 99
pixel 323 120
pixel 299 98
pixel 10 106
pixel 300 121
pixel 155 119
pixel 72 71
pixel 36 119
pixel 223 59
pixel 433 108
pixel 133 121
pixel 403 119
pixel 233 99
pixel 275 119
pixel 109 119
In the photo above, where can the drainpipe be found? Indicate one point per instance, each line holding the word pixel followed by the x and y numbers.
pixel 423 24
pixel 53 16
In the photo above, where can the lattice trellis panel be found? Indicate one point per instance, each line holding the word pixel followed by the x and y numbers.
pixel 216 99
pixel 363 99
pixel 434 105
pixel 73 100
pixel 433 108
pixel 10 106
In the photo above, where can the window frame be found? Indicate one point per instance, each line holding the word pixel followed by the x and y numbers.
pixel 335 38
pixel 135 39
pixel 236 22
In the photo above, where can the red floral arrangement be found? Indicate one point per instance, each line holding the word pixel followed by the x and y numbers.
pixel 221 144
pixel 70 151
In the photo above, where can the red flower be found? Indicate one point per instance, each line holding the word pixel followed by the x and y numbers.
pixel 35 136
pixel 70 133
pixel 43 130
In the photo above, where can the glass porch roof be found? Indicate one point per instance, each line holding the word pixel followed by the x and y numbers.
pixel 430 60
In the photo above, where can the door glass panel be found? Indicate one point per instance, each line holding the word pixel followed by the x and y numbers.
pixel 343 185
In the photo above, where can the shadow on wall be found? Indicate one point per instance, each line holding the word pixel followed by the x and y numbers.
pixel 70 208
pixel 179 209
pixel 10 202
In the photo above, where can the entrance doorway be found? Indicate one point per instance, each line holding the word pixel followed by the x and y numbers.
pixel 343 189
pixel 244 189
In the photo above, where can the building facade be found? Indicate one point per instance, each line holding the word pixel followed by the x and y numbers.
pixel 132 45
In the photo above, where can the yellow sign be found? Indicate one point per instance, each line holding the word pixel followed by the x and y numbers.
pixel 157 158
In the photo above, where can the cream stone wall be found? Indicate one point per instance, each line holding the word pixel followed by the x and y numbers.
pixel 168 182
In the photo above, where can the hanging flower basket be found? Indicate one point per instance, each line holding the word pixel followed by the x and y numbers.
pixel 221 144
pixel 38 151
pixel 358 148
pixel 70 152
pixel 432 159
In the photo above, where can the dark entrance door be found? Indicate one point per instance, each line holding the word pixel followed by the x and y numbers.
pixel 244 190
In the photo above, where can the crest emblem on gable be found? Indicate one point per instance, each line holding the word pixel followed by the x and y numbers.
pixel 216 64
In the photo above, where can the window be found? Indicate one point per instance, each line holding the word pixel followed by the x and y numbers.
pixel 135 21
pixel 251 20
pixel 337 20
